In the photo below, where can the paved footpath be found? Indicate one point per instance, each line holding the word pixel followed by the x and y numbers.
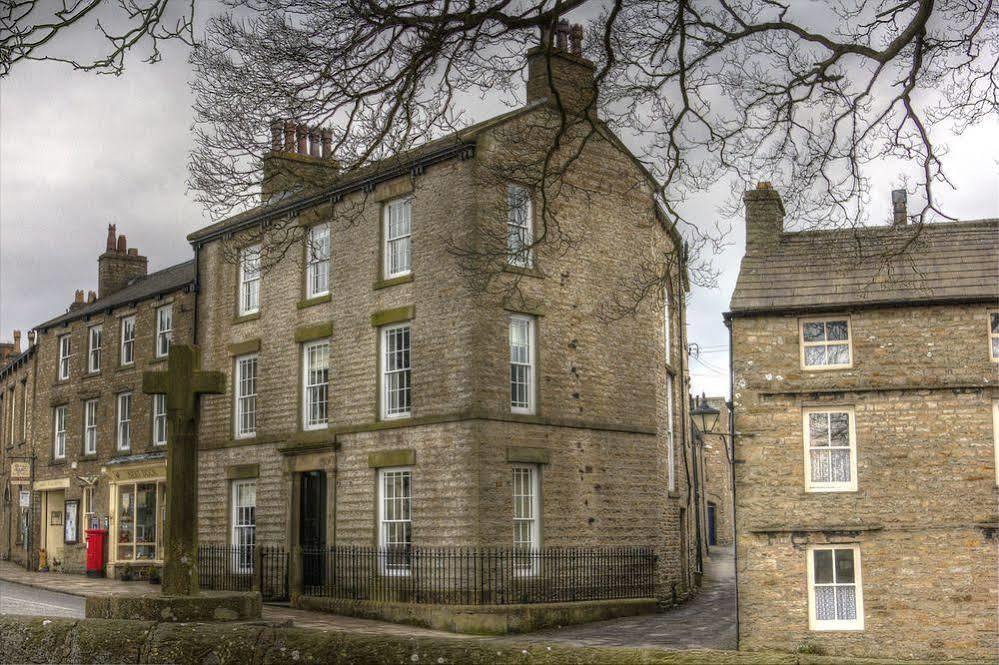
pixel 707 622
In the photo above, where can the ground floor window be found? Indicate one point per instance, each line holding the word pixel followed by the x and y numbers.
pixel 395 518
pixel 244 523
pixel 526 532
pixel 138 520
pixel 835 595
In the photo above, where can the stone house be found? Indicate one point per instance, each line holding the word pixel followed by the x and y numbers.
pixel 17 383
pixel 717 455
pixel 97 441
pixel 378 396
pixel 865 368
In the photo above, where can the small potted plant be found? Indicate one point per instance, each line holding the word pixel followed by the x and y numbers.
pixel 126 573
pixel 154 575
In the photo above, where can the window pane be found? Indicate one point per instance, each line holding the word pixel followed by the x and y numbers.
pixel 813 332
pixel 126 526
pixel 837 331
pixel 995 324
pixel 995 347
pixel 823 566
pixel 825 603
pixel 815 355
pixel 839 471
pixel 838 354
pixel 818 429
pixel 844 567
pixel 846 602
pixel 820 462
pixel 839 429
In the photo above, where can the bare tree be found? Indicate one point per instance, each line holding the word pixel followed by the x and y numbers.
pixel 50 30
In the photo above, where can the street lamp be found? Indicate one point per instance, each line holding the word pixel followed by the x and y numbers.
pixel 705 415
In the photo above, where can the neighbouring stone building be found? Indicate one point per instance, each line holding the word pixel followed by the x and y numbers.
pixel 17 399
pixel 94 441
pixel 379 396
pixel 865 388
pixel 717 454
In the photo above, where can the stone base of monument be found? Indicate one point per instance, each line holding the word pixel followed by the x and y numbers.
pixel 206 606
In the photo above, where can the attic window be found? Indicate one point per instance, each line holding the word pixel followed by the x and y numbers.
pixel 825 343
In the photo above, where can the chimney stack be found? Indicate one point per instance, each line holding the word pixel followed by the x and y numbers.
pixel 118 265
pixel 764 219
pixel 77 300
pixel 17 341
pixel 899 204
pixel 301 158
pixel 557 70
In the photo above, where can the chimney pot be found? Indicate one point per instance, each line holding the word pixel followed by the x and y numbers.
pixel 313 141
pixel 899 204
pixel 576 39
pixel 764 184
pixel 562 34
pixel 122 244
pixel 78 296
pixel 91 296
pixel 17 341
pixel 289 136
pixel 277 127
pixel 111 243
pixel 133 251
pixel 327 139
pixel 303 139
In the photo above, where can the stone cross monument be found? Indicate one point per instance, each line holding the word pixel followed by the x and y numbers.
pixel 182 383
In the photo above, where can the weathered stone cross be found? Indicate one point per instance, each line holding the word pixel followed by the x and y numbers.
pixel 182 382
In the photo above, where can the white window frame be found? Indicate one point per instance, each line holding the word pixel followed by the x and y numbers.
pixel 127 351
pixel 667 327
pixel 388 568
pixel 519 226
pixel 123 421
pixel 60 416
pixel 826 486
pixel 317 272
pixel 384 372
pixel 993 337
pixel 405 239
pixel 242 401
pixel 164 329
pixel 249 280
pixel 530 408
pixel 65 353
pixel 158 523
pixel 90 426
pixel 835 624
pixel 243 526
pixel 670 438
pixel 159 419
pixel 802 344
pixel 310 420
pixel 94 343
pixel 995 435
pixel 533 521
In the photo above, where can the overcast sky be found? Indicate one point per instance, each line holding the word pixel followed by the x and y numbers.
pixel 79 151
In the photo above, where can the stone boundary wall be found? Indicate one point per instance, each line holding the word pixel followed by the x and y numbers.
pixel 40 640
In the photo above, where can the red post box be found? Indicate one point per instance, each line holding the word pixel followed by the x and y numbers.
pixel 96 539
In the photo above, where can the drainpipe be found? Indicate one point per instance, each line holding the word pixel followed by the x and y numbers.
pixel 731 433
pixel 197 292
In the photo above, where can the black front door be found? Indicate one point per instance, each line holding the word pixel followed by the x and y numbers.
pixel 712 516
pixel 312 526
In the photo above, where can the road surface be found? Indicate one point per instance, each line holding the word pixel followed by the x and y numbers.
pixel 20 599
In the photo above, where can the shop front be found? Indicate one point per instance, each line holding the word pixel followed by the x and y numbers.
pixel 138 510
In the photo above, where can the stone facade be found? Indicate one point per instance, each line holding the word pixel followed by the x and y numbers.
pixel 917 389
pixel 717 455
pixel 598 436
pixel 17 398
pixel 94 480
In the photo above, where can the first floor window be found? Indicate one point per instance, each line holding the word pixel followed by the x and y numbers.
pixel 137 518
pixel 94 349
pixel 246 396
pixel 64 355
pixel 90 427
pixel 830 450
pixel 127 340
pixel 519 227
pixel 397 229
pixel 835 599
pixel 159 420
pixel 395 518
pixel 124 421
pixel 59 446
pixel 317 276
pixel 526 532
pixel 825 343
pixel 249 280
pixel 164 330
pixel 244 523
pixel 395 365
pixel 522 364
pixel 316 371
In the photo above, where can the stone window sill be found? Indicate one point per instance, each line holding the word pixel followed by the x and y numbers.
pixel 246 317
pixel 527 272
pixel 318 300
pixel 386 283
pixel 123 368
pixel 57 462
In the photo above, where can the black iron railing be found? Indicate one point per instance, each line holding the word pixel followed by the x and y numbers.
pixel 478 576
pixel 244 568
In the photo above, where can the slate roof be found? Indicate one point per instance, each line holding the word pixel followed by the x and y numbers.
pixel 822 270
pixel 163 281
